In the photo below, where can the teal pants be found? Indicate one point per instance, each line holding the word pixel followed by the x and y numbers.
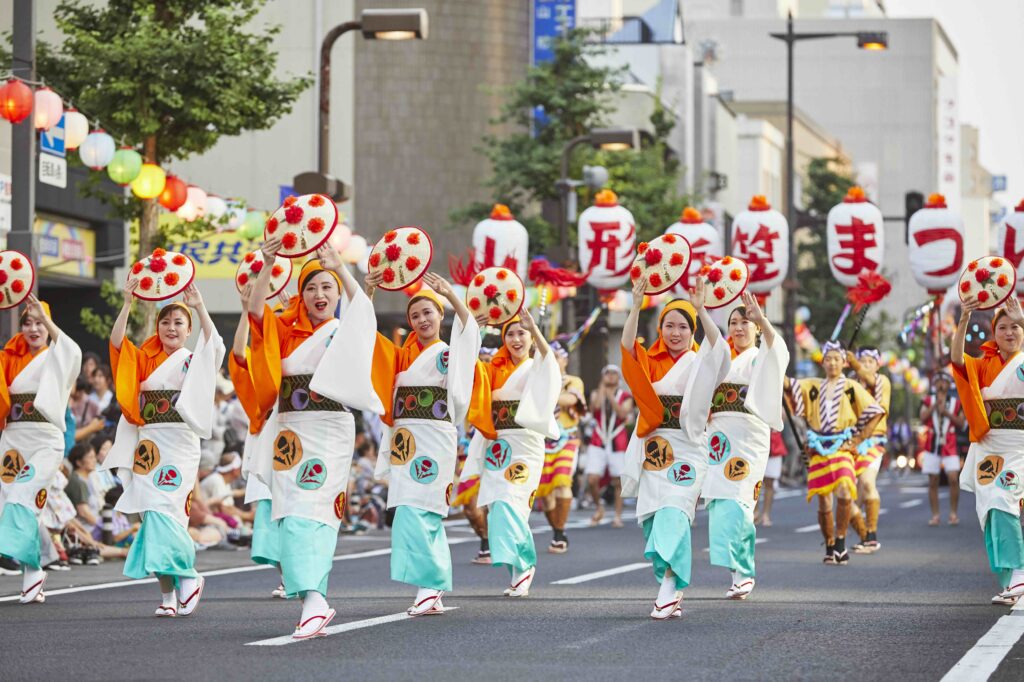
pixel 667 533
pixel 510 538
pixel 306 554
pixel 19 535
pixel 265 542
pixel 162 547
pixel 732 535
pixel 419 549
pixel 1004 544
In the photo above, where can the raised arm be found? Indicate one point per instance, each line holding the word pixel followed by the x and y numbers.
pixel 531 326
pixel 121 323
pixel 261 288
pixel 629 328
pixel 331 260
pixel 242 331
pixel 757 316
pixel 194 300
pixel 956 349
pixel 35 309
pixel 711 331
pixel 443 288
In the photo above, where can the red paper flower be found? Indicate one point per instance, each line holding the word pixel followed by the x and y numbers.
pixel 276 271
pixel 490 291
pixel 271 225
pixel 316 200
pixel 736 275
pixel 641 247
pixel 965 287
pixel 652 257
pixel 137 268
pixel 388 275
pixel 159 253
pixel 511 294
pixel 157 264
pixel 289 240
pixel 655 280
pixel 413 238
pixel 715 275
pixel 727 260
pixel 249 257
pixel 3 277
pixel 146 283
pixel 972 266
pixel 256 267
pixel 669 239
pixel 502 275
pixel 289 200
pixel 1002 280
pixel 474 303
pixel 293 214
pixel 982 275
pixel 635 272
pixel 676 259
pixel 704 269
pixel 412 262
pixel 316 225
pixel 982 296
pixel 16 264
pixel 17 286
pixel 180 260
pixel 171 278
pixel 495 312
pixel 392 251
pixel 996 262
pixel 719 293
pixel 478 280
pixel 390 236
pixel 374 259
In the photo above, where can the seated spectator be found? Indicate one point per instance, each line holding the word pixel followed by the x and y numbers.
pixel 102 480
pixel 90 361
pixel 79 487
pixel 55 517
pixel 212 448
pixel 220 494
pixel 205 529
pixel 116 529
pixel 88 420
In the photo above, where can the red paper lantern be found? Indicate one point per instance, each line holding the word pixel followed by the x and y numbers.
pixel 15 101
pixel 175 193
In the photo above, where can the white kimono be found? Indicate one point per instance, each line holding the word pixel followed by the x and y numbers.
pixel 158 463
pixel 32 451
pixel 994 469
pixel 738 441
pixel 510 466
pixel 419 455
pixel 667 467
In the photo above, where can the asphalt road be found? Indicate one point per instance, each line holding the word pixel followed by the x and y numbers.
pixel 909 612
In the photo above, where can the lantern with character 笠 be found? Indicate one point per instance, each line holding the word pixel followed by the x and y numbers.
pixel 760 238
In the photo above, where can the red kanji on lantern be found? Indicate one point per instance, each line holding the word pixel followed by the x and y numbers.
pixel 761 239
pixel 758 250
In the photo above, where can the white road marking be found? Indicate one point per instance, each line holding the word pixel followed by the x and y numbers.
pixel 911 503
pixel 808 529
pixel 601 574
pixel 986 655
pixel 338 629
pixel 914 490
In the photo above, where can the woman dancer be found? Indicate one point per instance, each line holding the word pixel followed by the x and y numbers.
pixel 507 451
pixel 746 406
pixel 673 382
pixel 166 396
pixel 426 386
pixel 316 370
pixel 991 388
pixel 36 379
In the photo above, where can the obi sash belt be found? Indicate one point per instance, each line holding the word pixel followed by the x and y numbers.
pixel 1003 413
pixel 23 408
pixel 671 406
pixel 503 412
pixel 296 396
pixel 421 402
pixel 157 407
pixel 729 398
pixel 826 444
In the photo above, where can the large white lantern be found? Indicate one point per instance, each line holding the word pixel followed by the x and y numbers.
pixel 607 235
pixel 936 243
pixel 855 238
pixel 501 240
pixel 47 110
pixel 760 237
pixel 76 128
pixel 707 244
pixel 216 206
pixel 1010 244
pixel 356 250
pixel 97 150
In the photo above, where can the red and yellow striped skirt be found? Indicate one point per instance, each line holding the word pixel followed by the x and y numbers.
pixel 825 473
pixel 559 467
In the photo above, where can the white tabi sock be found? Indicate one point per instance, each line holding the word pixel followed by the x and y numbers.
pixel 667 593
pixel 1017 577
pixel 186 587
pixel 30 576
pixel 168 599
pixel 424 593
pixel 738 577
pixel 313 604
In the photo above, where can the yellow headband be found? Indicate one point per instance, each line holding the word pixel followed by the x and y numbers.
pixel 428 294
pixel 504 327
pixel 176 304
pixel 46 310
pixel 684 307
pixel 311 268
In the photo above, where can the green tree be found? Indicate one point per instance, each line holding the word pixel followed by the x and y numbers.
pixel 168 77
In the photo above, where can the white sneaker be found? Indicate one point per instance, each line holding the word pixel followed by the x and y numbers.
pixel 279 592
pixel 428 605
pixel 312 626
pixel 189 605
pixel 34 593
pixel 669 609
pixel 741 589
pixel 521 587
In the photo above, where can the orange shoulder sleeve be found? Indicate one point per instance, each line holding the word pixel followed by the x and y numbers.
pixel 265 358
pixel 636 372
pixel 5 393
pixel 968 384
pixel 480 403
pixel 382 374
pixel 124 363
pixel 245 388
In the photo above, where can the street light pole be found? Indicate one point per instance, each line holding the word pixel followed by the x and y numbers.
pixel 324 134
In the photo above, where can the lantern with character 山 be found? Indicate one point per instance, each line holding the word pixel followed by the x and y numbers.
pixel 856 238
pixel 760 237
pixel 606 234
pixel 936 242
pixel 1010 243
pixel 706 243
pixel 501 240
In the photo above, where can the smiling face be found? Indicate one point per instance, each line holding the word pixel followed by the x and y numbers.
pixel 34 331
pixel 869 364
pixel 834 362
pixel 1009 336
pixel 173 327
pixel 676 332
pixel 519 342
pixel 742 331
pixel 320 294
pixel 425 320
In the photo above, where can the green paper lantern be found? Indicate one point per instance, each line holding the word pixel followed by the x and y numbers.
pixel 125 166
